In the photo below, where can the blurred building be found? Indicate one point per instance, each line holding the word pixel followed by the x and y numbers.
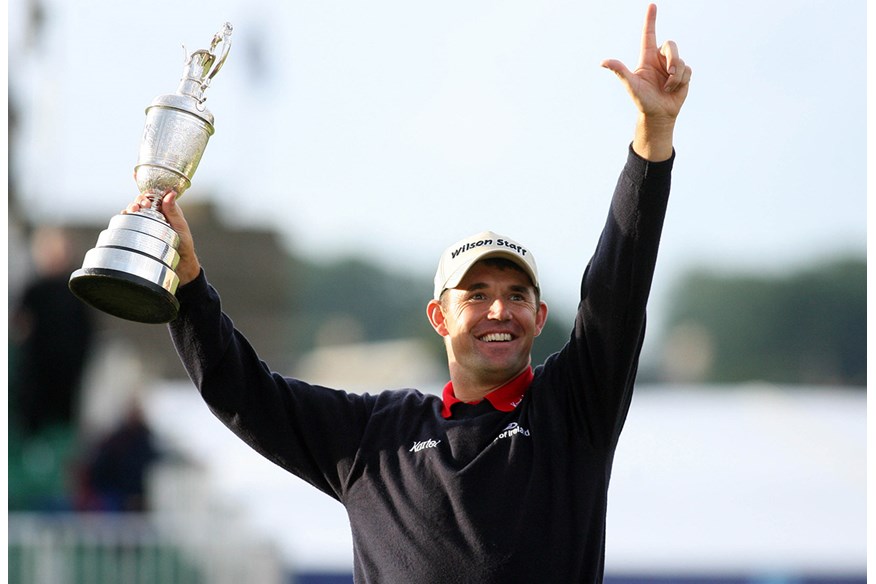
pixel 249 267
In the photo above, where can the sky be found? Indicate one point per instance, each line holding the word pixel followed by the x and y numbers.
pixel 390 129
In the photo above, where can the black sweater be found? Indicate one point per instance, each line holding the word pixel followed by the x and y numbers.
pixel 484 496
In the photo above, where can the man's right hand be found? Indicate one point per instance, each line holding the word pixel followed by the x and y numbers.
pixel 189 267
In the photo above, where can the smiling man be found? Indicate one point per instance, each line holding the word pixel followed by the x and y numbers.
pixel 487 307
pixel 504 478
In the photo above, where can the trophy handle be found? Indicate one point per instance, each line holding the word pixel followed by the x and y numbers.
pixel 223 37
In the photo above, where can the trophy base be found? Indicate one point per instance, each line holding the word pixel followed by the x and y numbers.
pixel 124 295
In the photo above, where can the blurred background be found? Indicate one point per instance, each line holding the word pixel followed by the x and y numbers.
pixel 354 141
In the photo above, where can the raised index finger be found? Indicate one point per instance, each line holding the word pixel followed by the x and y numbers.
pixel 649 34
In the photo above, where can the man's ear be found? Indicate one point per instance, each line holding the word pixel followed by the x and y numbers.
pixel 436 317
pixel 540 318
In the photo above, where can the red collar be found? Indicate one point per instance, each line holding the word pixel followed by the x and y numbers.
pixel 504 398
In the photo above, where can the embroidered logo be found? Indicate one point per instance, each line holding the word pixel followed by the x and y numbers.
pixel 418 446
pixel 512 429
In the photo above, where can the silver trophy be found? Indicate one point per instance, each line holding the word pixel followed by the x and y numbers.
pixel 130 273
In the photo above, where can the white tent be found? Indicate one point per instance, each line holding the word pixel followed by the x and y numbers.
pixel 746 480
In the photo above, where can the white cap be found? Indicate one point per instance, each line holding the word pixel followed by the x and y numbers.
pixel 462 255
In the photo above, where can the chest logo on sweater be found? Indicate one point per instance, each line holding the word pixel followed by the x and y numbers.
pixel 512 429
pixel 418 446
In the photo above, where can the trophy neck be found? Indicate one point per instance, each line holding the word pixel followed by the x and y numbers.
pixel 195 78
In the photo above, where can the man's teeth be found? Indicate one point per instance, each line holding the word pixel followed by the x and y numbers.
pixel 496 337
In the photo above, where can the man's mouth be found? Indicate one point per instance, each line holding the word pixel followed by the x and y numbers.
pixel 497 338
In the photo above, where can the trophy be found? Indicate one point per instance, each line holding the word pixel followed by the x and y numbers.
pixel 130 273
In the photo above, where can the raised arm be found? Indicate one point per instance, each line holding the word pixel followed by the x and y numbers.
pixel 658 86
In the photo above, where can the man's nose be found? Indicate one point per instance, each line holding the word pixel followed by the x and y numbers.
pixel 499 310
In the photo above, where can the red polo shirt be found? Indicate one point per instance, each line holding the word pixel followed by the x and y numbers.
pixel 504 398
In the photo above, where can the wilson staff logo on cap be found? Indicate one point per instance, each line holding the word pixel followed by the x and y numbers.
pixel 462 255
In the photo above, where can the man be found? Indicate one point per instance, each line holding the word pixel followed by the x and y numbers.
pixel 52 332
pixel 504 479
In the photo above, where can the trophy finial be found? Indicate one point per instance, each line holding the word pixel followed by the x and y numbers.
pixel 202 65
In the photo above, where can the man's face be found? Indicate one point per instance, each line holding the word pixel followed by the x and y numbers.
pixel 489 322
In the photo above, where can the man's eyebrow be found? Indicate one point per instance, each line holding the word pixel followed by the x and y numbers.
pixel 477 286
pixel 521 288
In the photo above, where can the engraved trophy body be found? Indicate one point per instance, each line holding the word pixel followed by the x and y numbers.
pixel 130 273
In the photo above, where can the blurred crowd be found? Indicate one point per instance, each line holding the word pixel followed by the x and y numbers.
pixel 55 462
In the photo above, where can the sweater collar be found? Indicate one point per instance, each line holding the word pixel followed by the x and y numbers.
pixel 504 398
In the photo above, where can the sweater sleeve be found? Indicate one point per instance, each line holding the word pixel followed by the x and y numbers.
pixel 311 431
pixel 603 353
